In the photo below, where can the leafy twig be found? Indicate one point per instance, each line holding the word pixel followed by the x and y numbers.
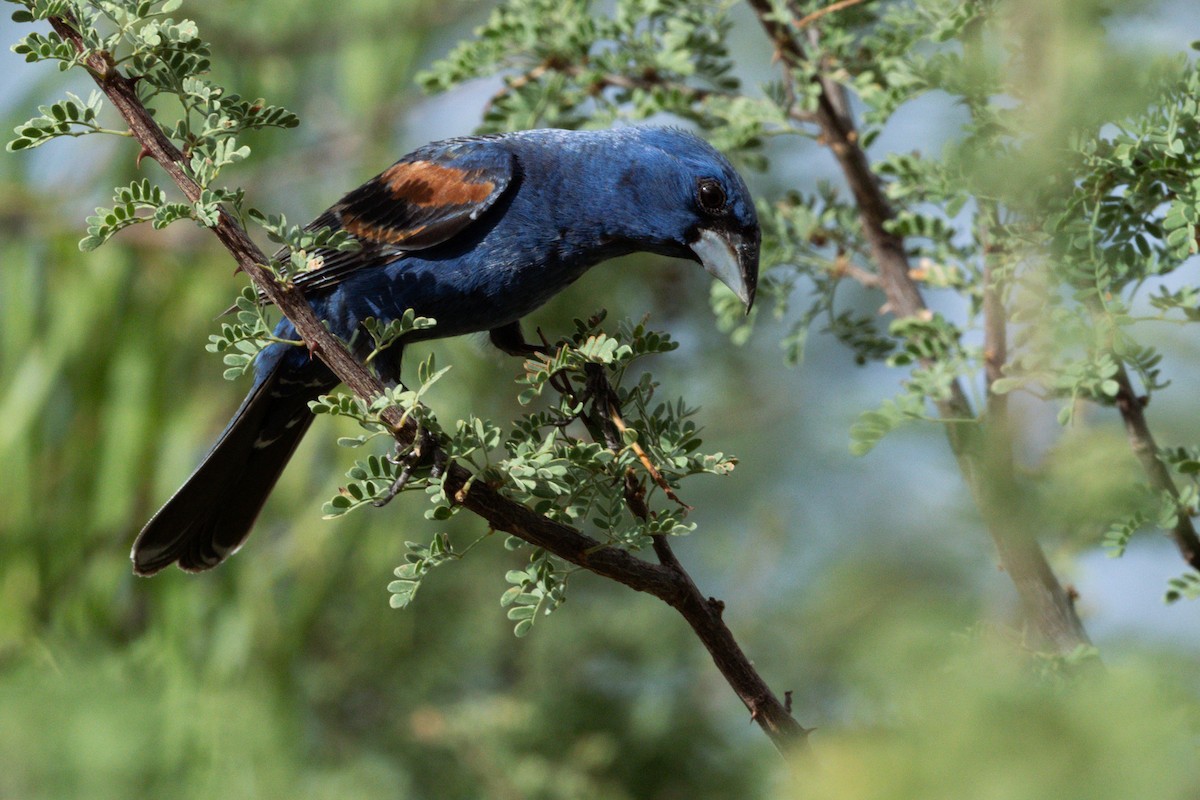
pixel 1137 429
pixel 805 21
pixel 601 81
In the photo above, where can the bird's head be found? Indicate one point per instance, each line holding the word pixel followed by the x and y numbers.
pixel 696 206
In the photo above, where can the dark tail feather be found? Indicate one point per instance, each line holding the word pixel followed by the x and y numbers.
pixel 212 513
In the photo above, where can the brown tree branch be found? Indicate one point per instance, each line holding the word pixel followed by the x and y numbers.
pixel 1137 429
pixel 1045 601
pixel 704 614
pixel 805 21
pixel 844 267
pixel 667 582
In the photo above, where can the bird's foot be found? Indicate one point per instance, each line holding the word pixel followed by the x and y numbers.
pixel 408 458
pixel 511 340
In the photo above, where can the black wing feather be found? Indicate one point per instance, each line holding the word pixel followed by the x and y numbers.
pixel 421 201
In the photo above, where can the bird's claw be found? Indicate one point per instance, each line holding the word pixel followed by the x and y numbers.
pixel 408 458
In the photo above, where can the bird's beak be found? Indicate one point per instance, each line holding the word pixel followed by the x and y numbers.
pixel 732 258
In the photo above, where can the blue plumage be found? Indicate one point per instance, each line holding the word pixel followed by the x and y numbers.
pixel 475 232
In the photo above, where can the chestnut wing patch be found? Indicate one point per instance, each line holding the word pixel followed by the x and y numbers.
pixel 421 201
pixel 427 197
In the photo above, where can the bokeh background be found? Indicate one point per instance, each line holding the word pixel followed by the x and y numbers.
pixel 864 585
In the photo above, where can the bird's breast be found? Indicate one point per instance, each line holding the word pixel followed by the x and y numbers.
pixel 464 295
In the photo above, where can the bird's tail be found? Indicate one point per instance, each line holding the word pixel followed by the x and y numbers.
pixel 212 513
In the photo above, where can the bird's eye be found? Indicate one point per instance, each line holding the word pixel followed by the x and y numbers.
pixel 711 196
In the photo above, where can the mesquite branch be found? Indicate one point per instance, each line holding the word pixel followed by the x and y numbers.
pixel 666 581
pixel 987 471
pixel 1133 413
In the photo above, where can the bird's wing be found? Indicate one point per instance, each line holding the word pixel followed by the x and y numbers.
pixel 422 200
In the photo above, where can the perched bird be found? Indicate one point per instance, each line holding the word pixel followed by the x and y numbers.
pixel 474 232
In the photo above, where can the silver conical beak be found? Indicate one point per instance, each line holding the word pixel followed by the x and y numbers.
pixel 732 259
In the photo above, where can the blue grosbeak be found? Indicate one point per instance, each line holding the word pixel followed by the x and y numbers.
pixel 475 232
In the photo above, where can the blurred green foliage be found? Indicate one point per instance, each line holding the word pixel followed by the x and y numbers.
pixel 965 721
pixel 286 671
